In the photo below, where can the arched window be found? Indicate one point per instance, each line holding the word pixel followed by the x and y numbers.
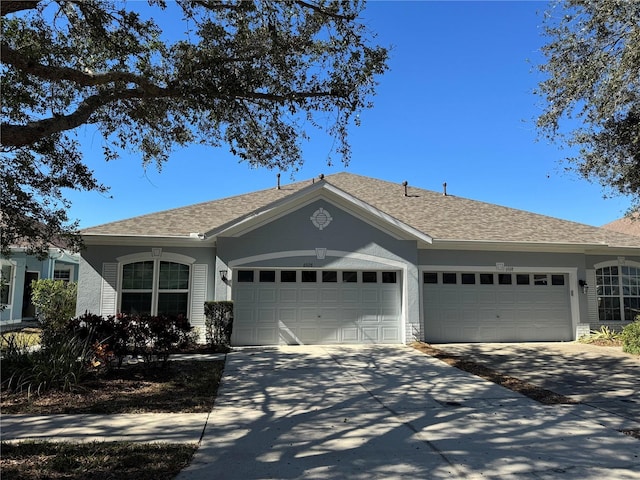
pixel 618 292
pixel 155 287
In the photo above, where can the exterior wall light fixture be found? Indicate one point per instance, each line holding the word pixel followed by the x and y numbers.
pixel 584 285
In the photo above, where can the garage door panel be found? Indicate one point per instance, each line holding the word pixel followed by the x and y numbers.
pixel 308 295
pixel 349 315
pixel 329 312
pixel 494 312
pixel 329 295
pixel 349 334
pixel 370 335
pixel 267 336
pixel 370 295
pixel 368 316
pixel 244 295
pixel 308 314
pixel 390 334
pixel 267 295
pixel 288 295
pixel 307 334
pixel 287 315
pixel 349 295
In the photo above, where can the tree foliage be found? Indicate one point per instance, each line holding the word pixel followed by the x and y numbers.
pixel 251 75
pixel 592 89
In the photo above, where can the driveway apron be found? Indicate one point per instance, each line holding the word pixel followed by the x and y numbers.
pixel 391 412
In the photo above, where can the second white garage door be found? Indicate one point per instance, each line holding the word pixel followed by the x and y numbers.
pixel 315 307
pixel 496 307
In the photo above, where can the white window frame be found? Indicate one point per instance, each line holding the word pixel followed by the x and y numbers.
pixel 63 268
pixel 156 256
pixel 11 281
pixel 614 263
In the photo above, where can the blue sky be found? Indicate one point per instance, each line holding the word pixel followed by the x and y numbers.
pixel 456 106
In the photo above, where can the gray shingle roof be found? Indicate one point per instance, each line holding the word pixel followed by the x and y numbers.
pixel 441 217
pixel 626 225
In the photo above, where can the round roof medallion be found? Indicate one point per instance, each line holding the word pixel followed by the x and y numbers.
pixel 321 218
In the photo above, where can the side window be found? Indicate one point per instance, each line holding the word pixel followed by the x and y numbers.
pixel 618 292
pixel 6 281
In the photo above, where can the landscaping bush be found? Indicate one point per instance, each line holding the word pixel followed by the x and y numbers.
pixel 61 364
pixel 604 335
pixel 55 302
pixel 631 338
pixel 218 324
pixel 146 336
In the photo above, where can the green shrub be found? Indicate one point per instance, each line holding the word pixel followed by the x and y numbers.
pixel 147 336
pixel 631 338
pixel 218 324
pixel 605 333
pixel 55 302
pixel 61 365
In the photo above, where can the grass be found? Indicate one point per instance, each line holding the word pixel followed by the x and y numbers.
pixel 27 337
pixel 184 386
pixel 114 460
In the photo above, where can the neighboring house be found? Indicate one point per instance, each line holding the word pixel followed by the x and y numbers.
pixel 20 269
pixel 352 259
pixel 628 225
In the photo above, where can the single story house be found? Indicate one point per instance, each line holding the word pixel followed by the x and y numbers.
pixel 351 259
pixel 20 269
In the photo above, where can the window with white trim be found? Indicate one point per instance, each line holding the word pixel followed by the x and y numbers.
pixel 155 287
pixel 6 283
pixel 63 274
pixel 618 292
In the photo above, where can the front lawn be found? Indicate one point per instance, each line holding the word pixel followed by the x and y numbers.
pixel 81 461
pixel 182 386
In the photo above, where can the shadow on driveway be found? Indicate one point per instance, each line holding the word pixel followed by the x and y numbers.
pixel 391 412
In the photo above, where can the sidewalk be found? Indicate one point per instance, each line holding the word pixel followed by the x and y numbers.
pixel 145 427
pixel 134 427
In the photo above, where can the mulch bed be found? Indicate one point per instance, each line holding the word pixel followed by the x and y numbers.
pixel 182 386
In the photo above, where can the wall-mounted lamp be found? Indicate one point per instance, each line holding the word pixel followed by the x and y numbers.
pixel 584 285
pixel 223 275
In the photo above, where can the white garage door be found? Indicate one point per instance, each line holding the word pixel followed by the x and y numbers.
pixel 315 307
pixel 496 307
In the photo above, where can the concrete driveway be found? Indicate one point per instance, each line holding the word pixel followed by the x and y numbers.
pixel 604 378
pixel 392 412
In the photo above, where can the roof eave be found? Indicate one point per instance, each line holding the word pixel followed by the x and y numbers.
pixel 501 245
pixel 197 239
